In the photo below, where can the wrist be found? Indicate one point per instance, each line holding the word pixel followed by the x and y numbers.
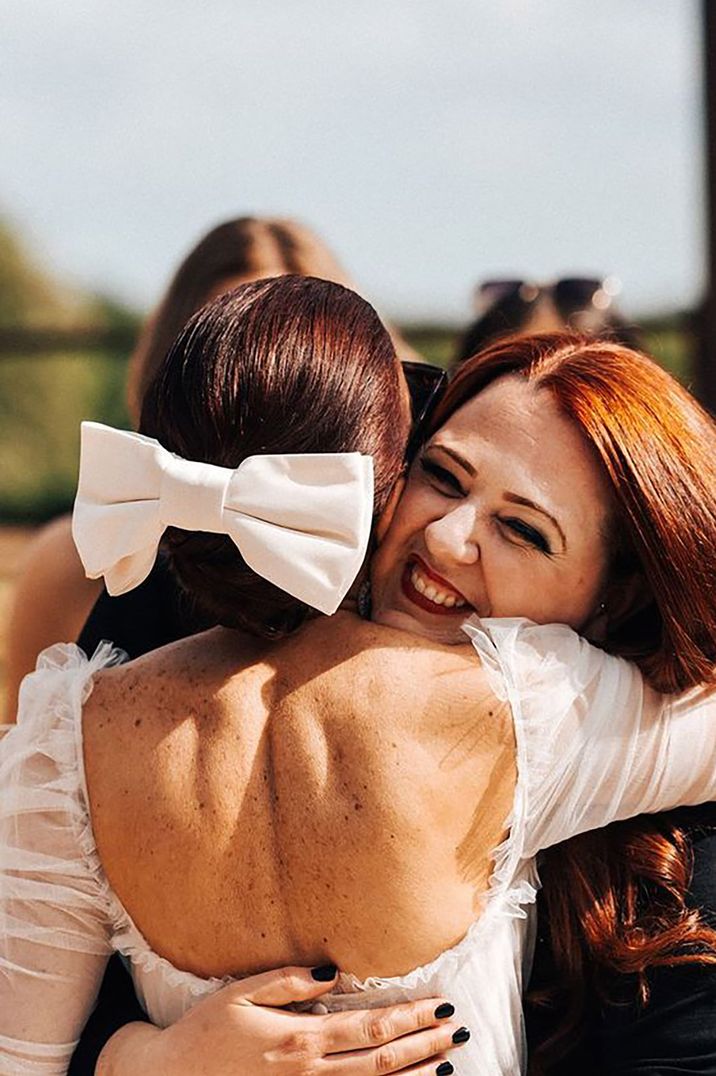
pixel 132 1051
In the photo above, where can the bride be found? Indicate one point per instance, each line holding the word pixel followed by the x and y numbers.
pixel 365 771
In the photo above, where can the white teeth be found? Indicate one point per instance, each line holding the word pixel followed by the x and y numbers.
pixel 431 592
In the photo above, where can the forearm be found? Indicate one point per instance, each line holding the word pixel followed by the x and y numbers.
pixel 130 1052
pixel 116 1007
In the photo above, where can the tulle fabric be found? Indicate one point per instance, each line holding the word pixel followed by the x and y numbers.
pixel 593 745
pixel 55 922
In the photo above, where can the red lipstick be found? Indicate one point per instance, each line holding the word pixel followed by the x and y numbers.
pixel 420 600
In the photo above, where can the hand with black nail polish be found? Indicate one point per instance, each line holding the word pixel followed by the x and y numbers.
pixel 252 1031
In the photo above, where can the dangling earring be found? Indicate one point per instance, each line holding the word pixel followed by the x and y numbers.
pixel 595 630
pixel 365 603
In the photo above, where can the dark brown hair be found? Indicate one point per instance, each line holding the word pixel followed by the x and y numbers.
pixel 615 899
pixel 291 364
pixel 246 246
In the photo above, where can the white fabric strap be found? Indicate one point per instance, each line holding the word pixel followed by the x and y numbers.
pixel 300 521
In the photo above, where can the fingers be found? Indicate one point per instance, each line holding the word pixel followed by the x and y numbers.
pixel 362 1029
pixel 284 985
pixel 422 1051
pixel 436 1066
pixel 411 1038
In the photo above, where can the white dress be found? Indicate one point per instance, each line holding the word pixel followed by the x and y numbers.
pixel 593 745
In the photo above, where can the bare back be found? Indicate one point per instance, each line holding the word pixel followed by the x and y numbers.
pixel 333 797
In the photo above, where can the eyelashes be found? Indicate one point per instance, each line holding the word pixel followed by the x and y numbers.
pixel 441 475
pixel 450 486
pixel 530 534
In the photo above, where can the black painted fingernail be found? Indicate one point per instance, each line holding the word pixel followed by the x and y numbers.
pixel 324 973
pixel 461 1035
pixel 446 1009
pixel 444 1069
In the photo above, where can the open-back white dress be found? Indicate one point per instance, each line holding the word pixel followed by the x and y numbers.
pixel 593 745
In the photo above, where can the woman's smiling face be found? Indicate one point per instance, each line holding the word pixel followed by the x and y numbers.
pixel 505 513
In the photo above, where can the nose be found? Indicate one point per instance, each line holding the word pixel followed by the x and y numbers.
pixel 452 539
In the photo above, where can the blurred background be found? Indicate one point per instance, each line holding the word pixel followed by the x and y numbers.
pixel 433 145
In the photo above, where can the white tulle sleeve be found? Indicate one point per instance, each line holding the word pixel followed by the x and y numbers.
pixel 595 744
pixel 54 924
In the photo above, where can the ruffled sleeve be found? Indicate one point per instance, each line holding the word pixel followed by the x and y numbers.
pixel 594 743
pixel 54 913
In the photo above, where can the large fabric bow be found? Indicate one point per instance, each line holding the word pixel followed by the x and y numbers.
pixel 300 521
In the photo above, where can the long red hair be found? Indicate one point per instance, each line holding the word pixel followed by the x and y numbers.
pixel 615 900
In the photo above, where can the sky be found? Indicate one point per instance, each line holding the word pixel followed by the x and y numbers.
pixel 433 143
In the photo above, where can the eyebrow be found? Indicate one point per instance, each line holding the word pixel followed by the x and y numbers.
pixel 513 498
pixel 465 464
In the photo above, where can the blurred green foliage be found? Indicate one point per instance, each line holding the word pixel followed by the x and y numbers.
pixel 42 402
pixel 44 396
pixel 25 293
pixel 435 343
pixel 674 347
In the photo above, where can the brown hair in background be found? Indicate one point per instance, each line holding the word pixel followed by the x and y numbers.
pixel 247 247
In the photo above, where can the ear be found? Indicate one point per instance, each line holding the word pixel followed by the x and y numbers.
pixel 386 516
pixel 623 598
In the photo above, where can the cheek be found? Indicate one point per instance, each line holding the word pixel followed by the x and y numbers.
pixel 591 571
pixel 528 585
pixel 577 595
pixel 387 555
pixel 410 518
pixel 409 521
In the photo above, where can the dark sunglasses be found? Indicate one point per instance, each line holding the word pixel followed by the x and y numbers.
pixel 569 294
pixel 426 384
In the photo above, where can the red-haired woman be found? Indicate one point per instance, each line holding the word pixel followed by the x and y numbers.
pixel 618 924
pixel 338 793
pixel 586 1011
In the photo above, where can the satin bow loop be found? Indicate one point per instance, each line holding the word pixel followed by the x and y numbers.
pixel 301 521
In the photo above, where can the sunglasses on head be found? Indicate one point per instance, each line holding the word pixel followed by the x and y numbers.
pixel 568 294
pixel 425 384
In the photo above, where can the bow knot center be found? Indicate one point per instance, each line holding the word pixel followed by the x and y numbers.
pixel 192 495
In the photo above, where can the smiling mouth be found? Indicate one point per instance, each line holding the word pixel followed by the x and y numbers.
pixel 429 591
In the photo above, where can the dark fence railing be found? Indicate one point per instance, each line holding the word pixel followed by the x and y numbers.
pixel 18 341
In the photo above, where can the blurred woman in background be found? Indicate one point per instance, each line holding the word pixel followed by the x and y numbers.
pixel 514 306
pixel 233 253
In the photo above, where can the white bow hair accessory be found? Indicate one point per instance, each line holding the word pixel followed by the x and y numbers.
pixel 301 521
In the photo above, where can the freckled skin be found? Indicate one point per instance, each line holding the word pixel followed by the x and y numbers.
pixel 260 819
